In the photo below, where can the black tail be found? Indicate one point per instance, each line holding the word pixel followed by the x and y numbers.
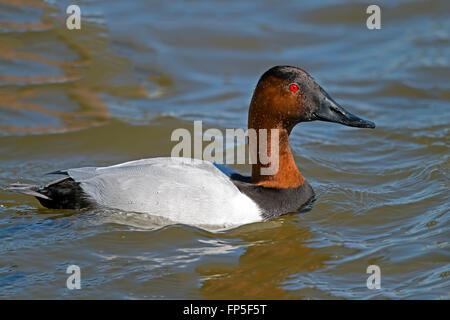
pixel 64 193
pixel 28 189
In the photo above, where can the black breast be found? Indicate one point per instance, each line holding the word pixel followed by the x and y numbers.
pixel 275 202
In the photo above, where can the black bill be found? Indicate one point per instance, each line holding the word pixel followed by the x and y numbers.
pixel 330 110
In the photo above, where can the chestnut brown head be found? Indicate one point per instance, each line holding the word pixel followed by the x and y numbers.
pixel 285 96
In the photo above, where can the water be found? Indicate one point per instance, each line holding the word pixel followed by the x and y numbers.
pixel 137 70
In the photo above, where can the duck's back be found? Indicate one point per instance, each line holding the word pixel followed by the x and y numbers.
pixel 183 190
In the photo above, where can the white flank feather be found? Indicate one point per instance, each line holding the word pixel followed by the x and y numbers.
pixel 183 190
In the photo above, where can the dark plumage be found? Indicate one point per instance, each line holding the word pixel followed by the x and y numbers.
pixel 63 193
pixel 275 202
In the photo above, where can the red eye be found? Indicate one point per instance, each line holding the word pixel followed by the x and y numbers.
pixel 293 87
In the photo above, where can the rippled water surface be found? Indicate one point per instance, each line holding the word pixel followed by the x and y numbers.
pixel 115 90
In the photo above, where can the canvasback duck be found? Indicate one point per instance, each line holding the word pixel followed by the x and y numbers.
pixel 199 192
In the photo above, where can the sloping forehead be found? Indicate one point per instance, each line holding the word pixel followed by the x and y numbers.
pixel 286 73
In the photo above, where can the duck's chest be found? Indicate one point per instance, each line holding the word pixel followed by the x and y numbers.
pixel 273 202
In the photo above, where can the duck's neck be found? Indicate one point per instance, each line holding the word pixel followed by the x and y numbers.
pixel 287 174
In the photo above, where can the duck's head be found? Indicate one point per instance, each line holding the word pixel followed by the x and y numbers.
pixel 285 96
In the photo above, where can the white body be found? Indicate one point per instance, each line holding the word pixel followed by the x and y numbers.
pixel 183 190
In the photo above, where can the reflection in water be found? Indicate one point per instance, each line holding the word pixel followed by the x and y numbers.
pixel 137 70
pixel 80 65
pixel 266 263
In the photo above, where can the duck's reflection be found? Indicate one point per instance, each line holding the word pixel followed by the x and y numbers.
pixel 265 265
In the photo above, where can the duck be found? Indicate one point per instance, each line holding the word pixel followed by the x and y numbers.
pixel 199 192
